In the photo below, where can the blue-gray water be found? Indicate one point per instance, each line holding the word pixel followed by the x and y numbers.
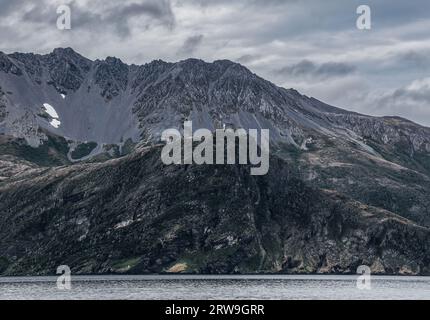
pixel 215 287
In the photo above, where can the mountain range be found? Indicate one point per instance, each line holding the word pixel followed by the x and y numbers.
pixel 82 183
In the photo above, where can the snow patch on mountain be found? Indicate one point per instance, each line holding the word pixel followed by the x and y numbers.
pixel 50 110
pixel 55 122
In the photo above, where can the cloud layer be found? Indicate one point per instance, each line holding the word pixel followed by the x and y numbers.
pixel 308 69
pixel 311 45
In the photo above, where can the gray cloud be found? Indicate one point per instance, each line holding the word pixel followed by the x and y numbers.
pixel 411 101
pixel 118 16
pixel 248 58
pixel 97 16
pixel 306 68
pixel 418 91
pixel 8 6
pixel 415 59
pixel 190 45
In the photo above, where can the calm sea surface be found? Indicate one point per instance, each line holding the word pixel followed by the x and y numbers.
pixel 215 287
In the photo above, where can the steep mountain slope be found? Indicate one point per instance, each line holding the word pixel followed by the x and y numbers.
pixel 366 178
pixel 137 215
pixel 84 94
pixel 109 102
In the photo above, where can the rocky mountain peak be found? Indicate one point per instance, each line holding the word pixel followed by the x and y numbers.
pixel 114 61
pixel 158 94
pixel 67 53
pixel 111 75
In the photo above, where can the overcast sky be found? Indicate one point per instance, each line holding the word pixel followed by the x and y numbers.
pixel 310 45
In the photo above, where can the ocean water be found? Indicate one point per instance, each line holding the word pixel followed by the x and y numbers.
pixel 214 287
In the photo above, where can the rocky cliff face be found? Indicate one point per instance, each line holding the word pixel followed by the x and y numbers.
pixel 3 112
pixel 343 188
pixel 108 102
pixel 136 215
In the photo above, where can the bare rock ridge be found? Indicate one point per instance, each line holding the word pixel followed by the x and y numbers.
pixel 81 185
pixel 107 101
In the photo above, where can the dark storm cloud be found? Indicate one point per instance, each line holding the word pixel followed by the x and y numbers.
pixel 307 68
pixel 247 58
pixel 191 44
pixel 414 59
pixel 7 6
pixel 411 101
pixel 257 3
pixel 420 94
pixel 99 15
pixel 119 14
pixel 39 14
